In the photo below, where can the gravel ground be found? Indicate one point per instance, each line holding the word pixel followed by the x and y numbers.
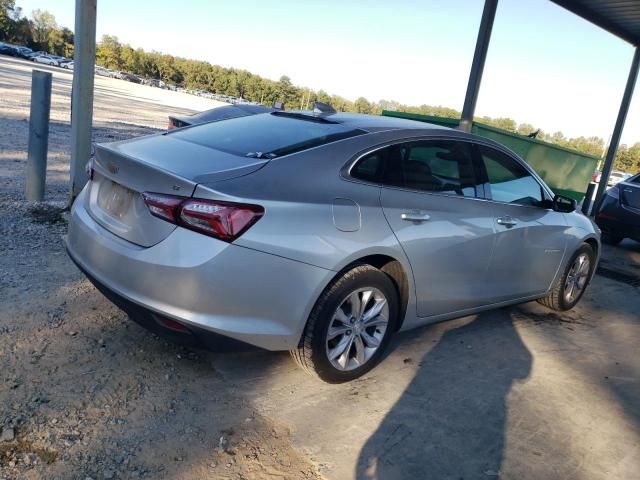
pixel 84 392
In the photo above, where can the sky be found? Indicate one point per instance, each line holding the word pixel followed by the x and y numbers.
pixel 545 66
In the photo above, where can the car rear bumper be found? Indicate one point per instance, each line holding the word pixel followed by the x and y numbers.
pixel 203 283
pixel 191 336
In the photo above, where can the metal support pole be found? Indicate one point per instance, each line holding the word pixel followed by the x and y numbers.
pixel 84 58
pixel 617 130
pixel 477 67
pixel 38 135
pixel 588 198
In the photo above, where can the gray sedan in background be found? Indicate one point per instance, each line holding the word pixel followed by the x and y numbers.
pixel 322 233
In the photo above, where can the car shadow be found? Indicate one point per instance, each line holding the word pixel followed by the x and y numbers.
pixel 450 421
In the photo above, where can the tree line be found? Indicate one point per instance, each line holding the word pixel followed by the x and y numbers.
pixel 41 32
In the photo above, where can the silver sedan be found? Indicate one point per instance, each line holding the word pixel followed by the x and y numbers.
pixel 322 233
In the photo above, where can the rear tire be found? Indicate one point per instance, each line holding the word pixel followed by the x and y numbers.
pixel 350 326
pixel 571 285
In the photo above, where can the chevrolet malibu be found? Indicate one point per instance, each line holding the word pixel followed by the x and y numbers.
pixel 322 233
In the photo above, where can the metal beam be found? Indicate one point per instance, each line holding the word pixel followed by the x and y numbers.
pixel 617 130
pixel 84 58
pixel 477 67
pixel 590 13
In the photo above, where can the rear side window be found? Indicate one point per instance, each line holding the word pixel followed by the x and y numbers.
pixel 510 182
pixel 371 166
pixel 439 166
pixel 267 135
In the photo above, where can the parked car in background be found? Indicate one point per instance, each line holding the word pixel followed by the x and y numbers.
pixel 219 113
pixel 61 59
pixel 130 77
pixel 618 214
pixel 7 49
pixel 68 65
pixel 322 233
pixel 101 71
pixel 39 53
pixel 24 52
pixel 616 177
pixel 46 60
pixel 153 82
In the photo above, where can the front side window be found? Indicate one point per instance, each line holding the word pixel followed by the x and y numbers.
pixel 508 181
pixel 439 166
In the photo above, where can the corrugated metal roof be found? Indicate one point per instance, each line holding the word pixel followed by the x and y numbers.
pixel 620 17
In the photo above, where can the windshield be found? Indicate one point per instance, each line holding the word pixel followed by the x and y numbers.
pixel 267 135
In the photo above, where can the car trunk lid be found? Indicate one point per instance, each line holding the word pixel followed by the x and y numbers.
pixel 122 171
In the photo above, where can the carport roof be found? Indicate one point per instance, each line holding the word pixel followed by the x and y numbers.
pixel 620 17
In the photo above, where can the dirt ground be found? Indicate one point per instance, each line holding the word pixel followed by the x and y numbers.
pixel 86 393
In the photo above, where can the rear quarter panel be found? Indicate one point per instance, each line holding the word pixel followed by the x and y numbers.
pixel 303 196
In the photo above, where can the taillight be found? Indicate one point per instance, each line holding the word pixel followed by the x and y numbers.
pixel 222 220
pixel 162 206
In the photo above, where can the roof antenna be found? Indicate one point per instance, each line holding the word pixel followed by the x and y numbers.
pixel 323 108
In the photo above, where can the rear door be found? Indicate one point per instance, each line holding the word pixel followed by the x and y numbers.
pixel 432 201
pixel 530 237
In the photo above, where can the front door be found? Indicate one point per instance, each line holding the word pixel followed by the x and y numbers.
pixel 530 236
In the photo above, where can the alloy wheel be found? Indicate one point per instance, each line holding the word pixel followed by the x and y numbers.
pixel 577 278
pixel 357 328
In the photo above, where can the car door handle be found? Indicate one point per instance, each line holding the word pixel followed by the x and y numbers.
pixel 415 216
pixel 507 221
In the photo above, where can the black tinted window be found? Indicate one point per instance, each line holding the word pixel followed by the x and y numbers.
pixel 440 166
pixel 267 135
pixel 509 181
pixel 370 167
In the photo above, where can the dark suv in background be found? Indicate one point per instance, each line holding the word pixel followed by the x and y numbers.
pixel 618 214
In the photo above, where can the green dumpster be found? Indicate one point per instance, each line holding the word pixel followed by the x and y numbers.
pixel 566 171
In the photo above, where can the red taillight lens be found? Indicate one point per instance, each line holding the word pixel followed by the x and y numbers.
pixel 225 221
pixel 163 206
pixel 222 220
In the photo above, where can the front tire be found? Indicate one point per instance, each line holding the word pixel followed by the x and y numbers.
pixel 570 287
pixel 350 326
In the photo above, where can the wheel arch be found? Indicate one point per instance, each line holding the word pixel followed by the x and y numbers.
pixel 399 273
pixel 594 244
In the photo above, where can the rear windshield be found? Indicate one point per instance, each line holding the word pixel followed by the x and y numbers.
pixel 267 135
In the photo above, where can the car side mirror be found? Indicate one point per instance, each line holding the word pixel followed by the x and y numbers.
pixel 564 204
